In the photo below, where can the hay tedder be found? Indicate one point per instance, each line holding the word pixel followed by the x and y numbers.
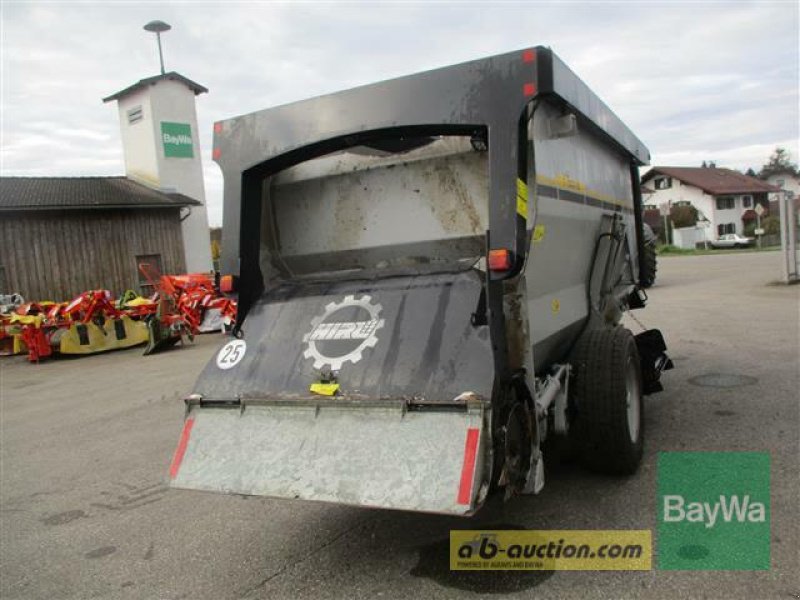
pixel 93 322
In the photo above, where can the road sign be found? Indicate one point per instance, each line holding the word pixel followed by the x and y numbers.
pixel 759 231
pixel 664 209
pixel 760 210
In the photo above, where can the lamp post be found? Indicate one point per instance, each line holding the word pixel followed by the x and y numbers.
pixel 157 27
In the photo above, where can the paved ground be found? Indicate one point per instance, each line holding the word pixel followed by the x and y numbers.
pixel 86 443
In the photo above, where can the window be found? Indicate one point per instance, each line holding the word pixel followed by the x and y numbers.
pixel 154 262
pixel 725 202
pixel 747 202
pixel 663 183
pixel 135 115
pixel 725 228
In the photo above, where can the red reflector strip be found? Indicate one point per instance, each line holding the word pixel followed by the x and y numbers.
pixel 528 56
pixel 529 89
pixel 217 127
pixel 177 459
pixel 216 153
pixel 468 468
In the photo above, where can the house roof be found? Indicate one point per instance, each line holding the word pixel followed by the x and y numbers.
pixel 713 180
pixel 171 76
pixel 70 193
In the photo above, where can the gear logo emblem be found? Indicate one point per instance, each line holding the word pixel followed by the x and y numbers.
pixel 334 341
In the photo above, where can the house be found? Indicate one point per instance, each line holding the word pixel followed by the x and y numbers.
pixel 787 181
pixel 789 184
pixel 64 235
pixel 725 199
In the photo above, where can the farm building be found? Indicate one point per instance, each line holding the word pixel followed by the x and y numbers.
pixel 60 236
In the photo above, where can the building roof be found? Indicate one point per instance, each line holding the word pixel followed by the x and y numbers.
pixel 171 76
pixel 71 193
pixel 713 180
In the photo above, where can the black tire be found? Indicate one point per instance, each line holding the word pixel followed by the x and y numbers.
pixel 648 266
pixel 606 371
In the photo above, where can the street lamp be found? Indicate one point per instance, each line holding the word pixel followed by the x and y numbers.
pixel 157 27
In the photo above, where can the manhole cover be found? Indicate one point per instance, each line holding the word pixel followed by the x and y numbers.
pixel 722 380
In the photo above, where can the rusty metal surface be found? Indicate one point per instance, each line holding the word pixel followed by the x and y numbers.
pixel 342 211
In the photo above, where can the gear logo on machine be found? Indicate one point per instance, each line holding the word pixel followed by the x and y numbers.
pixel 343 332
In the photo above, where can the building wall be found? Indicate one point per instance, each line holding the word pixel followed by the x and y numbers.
pixel 680 192
pixel 688 237
pixel 172 101
pixel 786 181
pixel 139 139
pixel 55 255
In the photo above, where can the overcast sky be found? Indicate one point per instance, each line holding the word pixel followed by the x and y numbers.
pixel 694 80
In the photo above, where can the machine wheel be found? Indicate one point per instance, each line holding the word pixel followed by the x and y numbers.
pixel 647 271
pixel 607 424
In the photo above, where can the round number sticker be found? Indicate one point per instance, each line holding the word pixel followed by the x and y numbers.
pixel 231 354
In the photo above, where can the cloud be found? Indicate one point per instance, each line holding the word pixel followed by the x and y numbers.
pixel 695 81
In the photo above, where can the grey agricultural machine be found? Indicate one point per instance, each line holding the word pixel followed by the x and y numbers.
pixel 431 273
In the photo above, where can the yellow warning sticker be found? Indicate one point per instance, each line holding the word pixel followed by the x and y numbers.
pixel 522 199
pixel 324 389
pixel 555 306
pixel 538 233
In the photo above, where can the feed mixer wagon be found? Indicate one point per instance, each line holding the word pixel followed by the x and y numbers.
pixel 431 274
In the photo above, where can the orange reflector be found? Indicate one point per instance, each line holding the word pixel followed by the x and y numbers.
pixel 217 127
pixel 529 89
pixel 528 56
pixel 499 260
pixel 216 153
pixel 226 284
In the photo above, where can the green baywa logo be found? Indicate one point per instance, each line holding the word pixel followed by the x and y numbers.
pixel 728 508
pixel 177 139
pixel 714 510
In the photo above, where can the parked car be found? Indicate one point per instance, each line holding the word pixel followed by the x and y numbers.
pixel 732 240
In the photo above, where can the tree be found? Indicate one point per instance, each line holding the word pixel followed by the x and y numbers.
pixel 750 172
pixel 684 215
pixel 779 162
pixel 771 225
